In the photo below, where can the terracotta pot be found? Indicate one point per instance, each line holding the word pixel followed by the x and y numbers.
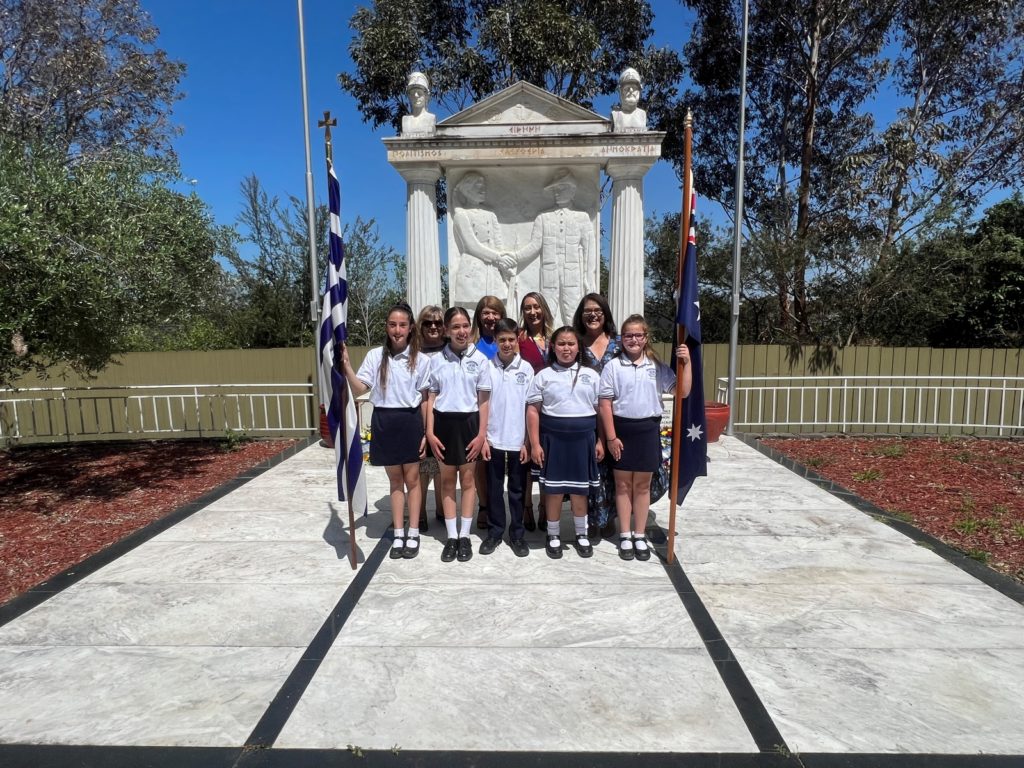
pixel 325 429
pixel 717 417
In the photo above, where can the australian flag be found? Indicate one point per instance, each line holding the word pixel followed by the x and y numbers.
pixel 691 445
pixel 335 394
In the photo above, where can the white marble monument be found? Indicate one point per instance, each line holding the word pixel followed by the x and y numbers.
pixel 523 171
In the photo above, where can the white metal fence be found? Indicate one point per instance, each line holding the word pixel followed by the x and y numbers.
pixel 58 414
pixel 984 405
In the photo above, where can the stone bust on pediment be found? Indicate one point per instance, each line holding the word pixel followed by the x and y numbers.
pixel 420 122
pixel 629 118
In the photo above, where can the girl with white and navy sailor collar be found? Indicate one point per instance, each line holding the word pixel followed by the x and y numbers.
pixel 457 425
pixel 561 420
pixel 396 377
pixel 631 388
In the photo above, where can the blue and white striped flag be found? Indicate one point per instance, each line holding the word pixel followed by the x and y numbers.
pixel 335 394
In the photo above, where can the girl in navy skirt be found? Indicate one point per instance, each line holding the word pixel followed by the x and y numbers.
pixel 457 425
pixel 396 376
pixel 561 418
pixel 631 388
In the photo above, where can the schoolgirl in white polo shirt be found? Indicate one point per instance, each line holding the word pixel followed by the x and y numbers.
pixel 561 419
pixel 632 384
pixel 396 377
pixel 511 377
pixel 457 425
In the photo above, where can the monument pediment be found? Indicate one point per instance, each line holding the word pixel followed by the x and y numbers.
pixel 525 105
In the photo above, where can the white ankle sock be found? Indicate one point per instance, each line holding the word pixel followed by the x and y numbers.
pixel 399 537
pixel 467 526
pixel 625 541
pixel 410 542
pixel 452 526
pixel 581 525
pixel 639 541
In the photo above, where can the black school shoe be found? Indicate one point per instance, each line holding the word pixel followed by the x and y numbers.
pixel 553 552
pixel 451 547
pixel 519 547
pixel 583 546
pixel 465 549
pixel 641 554
pixel 626 553
pixel 488 545
pixel 411 552
pixel 397 553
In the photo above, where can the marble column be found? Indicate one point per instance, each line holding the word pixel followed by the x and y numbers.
pixel 423 252
pixel 626 271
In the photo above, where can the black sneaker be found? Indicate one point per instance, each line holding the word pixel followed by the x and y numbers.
pixel 397 549
pixel 519 548
pixel 451 547
pixel 554 552
pixel 465 549
pixel 583 546
pixel 488 545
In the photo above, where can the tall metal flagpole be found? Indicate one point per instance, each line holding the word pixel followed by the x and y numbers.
pixel 734 325
pixel 677 407
pixel 314 281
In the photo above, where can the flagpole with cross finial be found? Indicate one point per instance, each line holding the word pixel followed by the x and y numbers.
pixel 677 410
pixel 341 439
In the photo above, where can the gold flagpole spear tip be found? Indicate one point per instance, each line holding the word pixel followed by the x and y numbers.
pixel 688 120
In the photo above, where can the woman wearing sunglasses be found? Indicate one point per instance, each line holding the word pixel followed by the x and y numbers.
pixel 431 327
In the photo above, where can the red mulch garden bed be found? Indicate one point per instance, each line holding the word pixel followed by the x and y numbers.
pixel 966 492
pixel 62 504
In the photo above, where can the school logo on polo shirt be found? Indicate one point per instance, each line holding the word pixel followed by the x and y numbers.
pixel 651 373
pixel 520 378
pixel 585 377
pixel 472 365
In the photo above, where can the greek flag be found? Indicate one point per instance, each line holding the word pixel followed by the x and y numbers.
pixel 335 394
pixel 692 444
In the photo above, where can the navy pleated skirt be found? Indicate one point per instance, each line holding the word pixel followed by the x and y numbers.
pixel 455 431
pixel 570 464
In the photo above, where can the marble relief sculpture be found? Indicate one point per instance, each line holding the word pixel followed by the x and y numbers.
pixel 564 240
pixel 420 122
pixel 485 267
pixel 629 117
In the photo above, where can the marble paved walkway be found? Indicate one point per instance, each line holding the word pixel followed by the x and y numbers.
pixel 794 629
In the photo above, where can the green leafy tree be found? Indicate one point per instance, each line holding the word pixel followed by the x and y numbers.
pixel 91 250
pixel 959 288
pixel 376 281
pixel 471 48
pixel 85 76
pixel 830 192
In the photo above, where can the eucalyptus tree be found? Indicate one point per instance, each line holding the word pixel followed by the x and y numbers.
pixel 868 124
pixel 85 75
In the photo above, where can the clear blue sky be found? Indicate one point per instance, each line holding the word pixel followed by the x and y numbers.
pixel 242 111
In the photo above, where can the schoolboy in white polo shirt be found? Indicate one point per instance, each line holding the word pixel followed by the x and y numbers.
pixel 506 440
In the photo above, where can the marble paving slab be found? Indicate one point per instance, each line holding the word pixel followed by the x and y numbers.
pixel 825 522
pixel 225 614
pixel 956 701
pixel 796 560
pixel 850 616
pixel 261 562
pixel 520 615
pixel 197 696
pixel 561 699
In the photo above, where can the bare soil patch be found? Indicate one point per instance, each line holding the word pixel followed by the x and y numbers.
pixel 967 492
pixel 62 504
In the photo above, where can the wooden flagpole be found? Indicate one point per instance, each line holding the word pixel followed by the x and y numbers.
pixel 342 439
pixel 677 409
